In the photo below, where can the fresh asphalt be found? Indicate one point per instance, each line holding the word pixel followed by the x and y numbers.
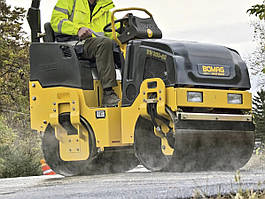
pixel 137 183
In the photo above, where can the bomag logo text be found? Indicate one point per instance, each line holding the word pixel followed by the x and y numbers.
pixel 156 54
pixel 213 70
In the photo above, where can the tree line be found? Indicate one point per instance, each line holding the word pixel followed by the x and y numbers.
pixel 19 148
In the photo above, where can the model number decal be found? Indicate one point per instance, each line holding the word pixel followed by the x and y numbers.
pixel 156 54
pixel 214 70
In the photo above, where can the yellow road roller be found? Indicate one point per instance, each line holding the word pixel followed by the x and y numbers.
pixel 184 105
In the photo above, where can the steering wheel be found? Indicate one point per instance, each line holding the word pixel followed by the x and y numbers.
pixel 122 22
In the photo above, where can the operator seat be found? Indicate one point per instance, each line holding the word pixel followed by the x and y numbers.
pixel 50 36
pixel 49 33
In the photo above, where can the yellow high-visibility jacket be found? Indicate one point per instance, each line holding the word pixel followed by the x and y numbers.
pixel 70 15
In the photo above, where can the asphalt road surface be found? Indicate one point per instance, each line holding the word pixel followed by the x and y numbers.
pixel 137 183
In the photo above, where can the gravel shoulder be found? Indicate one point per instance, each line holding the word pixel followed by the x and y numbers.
pixel 256 163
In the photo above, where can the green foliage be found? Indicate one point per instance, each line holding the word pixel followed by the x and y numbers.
pixel 257 60
pixel 258 10
pixel 259 114
pixel 19 147
pixel 18 157
pixel 14 64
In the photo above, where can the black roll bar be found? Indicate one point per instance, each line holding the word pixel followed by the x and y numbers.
pixel 34 20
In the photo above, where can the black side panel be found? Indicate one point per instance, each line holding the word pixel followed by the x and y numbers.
pixel 145 62
pixel 56 64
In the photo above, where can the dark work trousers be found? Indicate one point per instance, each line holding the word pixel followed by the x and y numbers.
pixel 101 49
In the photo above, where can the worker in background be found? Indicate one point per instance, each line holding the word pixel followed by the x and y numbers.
pixel 77 19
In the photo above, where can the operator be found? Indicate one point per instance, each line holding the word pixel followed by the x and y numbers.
pixel 77 19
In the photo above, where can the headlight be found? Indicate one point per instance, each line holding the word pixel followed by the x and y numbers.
pixel 234 98
pixel 194 96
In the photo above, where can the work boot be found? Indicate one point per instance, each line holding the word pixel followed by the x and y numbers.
pixel 110 99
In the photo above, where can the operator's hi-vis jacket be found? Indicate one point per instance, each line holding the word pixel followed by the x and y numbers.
pixel 70 15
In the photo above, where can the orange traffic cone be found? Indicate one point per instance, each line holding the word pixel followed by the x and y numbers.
pixel 46 170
